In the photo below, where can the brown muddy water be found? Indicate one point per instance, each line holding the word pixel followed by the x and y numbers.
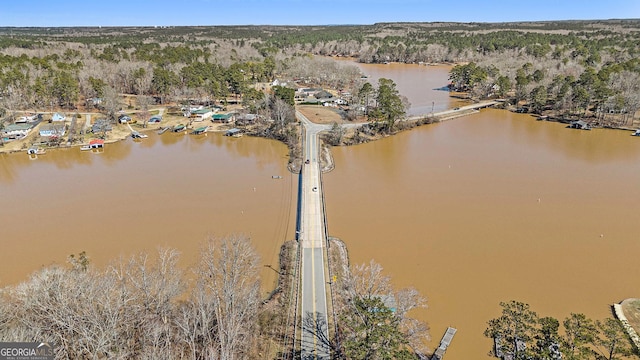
pixel 494 207
pixel 487 208
pixel 170 190
pixel 419 83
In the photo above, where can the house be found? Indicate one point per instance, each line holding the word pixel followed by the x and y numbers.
pixel 27 118
pixel 223 118
pixel 94 101
pixel 306 92
pixel 277 82
pixel 192 108
pixel 323 94
pixel 48 130
pixel 201 114
pixel 155 119
pixel 58 117
pixel 246 118
pixel 345 95
pixel 15 131
pixel 579 125
pixel 101 125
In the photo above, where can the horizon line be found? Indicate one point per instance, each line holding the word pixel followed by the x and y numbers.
pixel 346 24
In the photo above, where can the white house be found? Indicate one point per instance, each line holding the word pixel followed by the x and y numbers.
pixel 17 130
pixel 58 117
pixel 201 114
pixel 48 130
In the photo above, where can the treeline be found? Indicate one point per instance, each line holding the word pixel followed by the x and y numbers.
pixel 52 67
pixel 149 307
pixel 519 333
pixel 609 94
pixel 55 74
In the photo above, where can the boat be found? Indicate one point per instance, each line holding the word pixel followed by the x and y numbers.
pixel 637 133
pixel 137 135
pixel 163 129
pixel 36 151
pixel 276 177
pixel 178 128
pixel 85 147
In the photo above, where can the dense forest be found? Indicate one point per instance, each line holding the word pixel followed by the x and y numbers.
pixel 574 68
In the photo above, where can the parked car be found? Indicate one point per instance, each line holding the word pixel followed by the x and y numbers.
pixel 155 119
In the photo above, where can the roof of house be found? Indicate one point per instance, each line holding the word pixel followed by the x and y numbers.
pixel 50 127
pixel 18 127
pixel 96 141
pixel 221 116
pixel 57 116
pixel 248 116
pixel 201 111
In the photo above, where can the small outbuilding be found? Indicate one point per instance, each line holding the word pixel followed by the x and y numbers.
pixel 233 132
pixel 58 117
pixel 582 125
pixel 96 144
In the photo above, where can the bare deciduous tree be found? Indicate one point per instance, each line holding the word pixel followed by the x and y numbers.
pixel 111 102
pixel 228 277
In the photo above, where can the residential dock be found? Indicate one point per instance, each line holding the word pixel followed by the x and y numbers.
pixel 444 343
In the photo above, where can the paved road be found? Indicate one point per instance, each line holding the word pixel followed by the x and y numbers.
pixel 312 239
pixel 459 110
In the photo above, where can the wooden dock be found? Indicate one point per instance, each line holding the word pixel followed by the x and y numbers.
pixel 444 343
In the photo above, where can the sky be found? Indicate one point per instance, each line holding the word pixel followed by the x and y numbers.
pixel 51 13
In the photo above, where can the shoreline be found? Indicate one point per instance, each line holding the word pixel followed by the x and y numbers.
pixel 402 125
pixel 118 133
pixel 623 311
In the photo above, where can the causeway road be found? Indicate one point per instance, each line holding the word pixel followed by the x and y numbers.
pixel 312 239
